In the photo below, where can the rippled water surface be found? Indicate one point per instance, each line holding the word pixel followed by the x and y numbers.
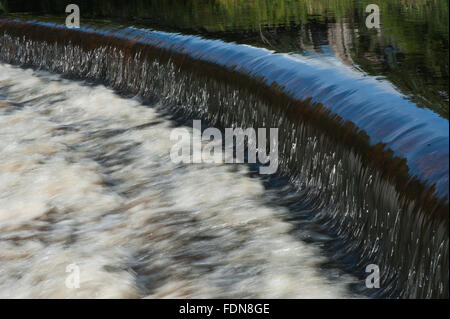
pixel 87 179
pixel 410 49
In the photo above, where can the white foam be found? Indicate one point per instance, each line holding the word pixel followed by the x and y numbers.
pixel 73 190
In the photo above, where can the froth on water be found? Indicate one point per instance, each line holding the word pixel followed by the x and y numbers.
pixel 86 179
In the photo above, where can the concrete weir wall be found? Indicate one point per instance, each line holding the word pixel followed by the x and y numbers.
pixel 373 165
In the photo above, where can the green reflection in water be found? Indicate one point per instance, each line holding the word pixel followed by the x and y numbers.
pixel 410 49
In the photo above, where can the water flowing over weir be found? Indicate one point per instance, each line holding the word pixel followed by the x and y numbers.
pixel 371 165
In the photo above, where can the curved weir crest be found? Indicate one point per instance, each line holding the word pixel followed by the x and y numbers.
pixel 373 106
pixel 373 163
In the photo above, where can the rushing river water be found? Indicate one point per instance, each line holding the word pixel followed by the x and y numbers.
pixel 86 176
pixel 87 179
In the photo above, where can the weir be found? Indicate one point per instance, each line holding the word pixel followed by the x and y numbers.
pixel 370 164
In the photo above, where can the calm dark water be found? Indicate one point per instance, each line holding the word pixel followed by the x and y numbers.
pixel 410 49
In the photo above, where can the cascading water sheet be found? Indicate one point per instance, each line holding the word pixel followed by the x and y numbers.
pixel 363 172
